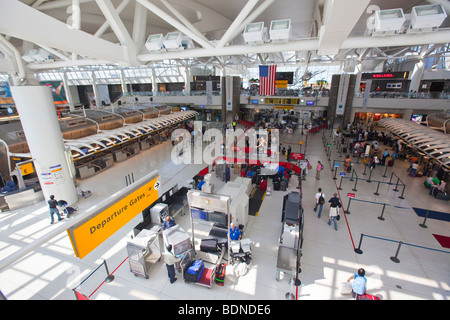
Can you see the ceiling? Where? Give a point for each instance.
(104, 32)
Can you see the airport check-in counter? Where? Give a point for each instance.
(175, 198)
(95, 166)
(126, 152)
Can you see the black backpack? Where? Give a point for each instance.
(321, 199)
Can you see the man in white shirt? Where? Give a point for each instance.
(318, 204)
(170, 259)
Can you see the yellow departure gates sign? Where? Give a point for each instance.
(90, 234)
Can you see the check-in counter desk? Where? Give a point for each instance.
(174, 198)
(94, 167)
(149, 142)
(23, 198)
(126, 152)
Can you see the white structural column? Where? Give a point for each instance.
(416, 76)
(123, 82)
(187, 80)
(44, 138)
(68, 92)
(95, 89)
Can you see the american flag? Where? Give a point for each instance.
(267, 80)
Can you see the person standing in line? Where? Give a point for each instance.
(318, 169)
(52, 203)
(414, 167)
(359, 285)
(347, 163)
(170, 259)
(335, 204)
(320, 200)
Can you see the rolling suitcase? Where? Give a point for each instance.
(209, 245)
(263, 184)
(367, 297)
(194, 272)
(276, 185)
(283, 186)
(220, 274)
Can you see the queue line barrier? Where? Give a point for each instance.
(400, 243)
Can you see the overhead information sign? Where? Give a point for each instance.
(89, 234)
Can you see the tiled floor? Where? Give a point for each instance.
(51, 270)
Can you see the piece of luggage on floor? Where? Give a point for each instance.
(390, 163)
(209, 245)
(69, 210)
(283, 186)
(194, 272)
(220, 274)
(368, 297)
(276, 185)
(263, 184)
(344, 150)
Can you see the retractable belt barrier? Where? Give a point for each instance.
(395, 257)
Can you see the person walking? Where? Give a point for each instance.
(335, 204)
(318, 169)
(170, 259)
(52, 204)
(359, 285)
(320, 200)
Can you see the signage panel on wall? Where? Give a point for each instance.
(89, 234)
(342, 94)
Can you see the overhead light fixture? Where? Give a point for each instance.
(280, 30)
(255, 33)
(427, 18)
(155, 42)
(173, 40)
(388, 22)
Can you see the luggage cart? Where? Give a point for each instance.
(211, 262)
(144, 251)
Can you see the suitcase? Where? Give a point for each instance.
(283, 186)
(209, 245)
(391, 163)
(243, 173)
(276, 185)
(220, 274)
(263, 184)
(344, 150)
(367, 297)
(194, 272)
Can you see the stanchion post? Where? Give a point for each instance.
(340, 184)
(404, 186)
(423, 225)
(335, 173)
(358, 250)
(356, 182)
(370, 176)
(385, 170)
(395, 259)
(110, 277)
(365, 167)
(348, 206)
(396, 185)
(382, 212)
(376, 192)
